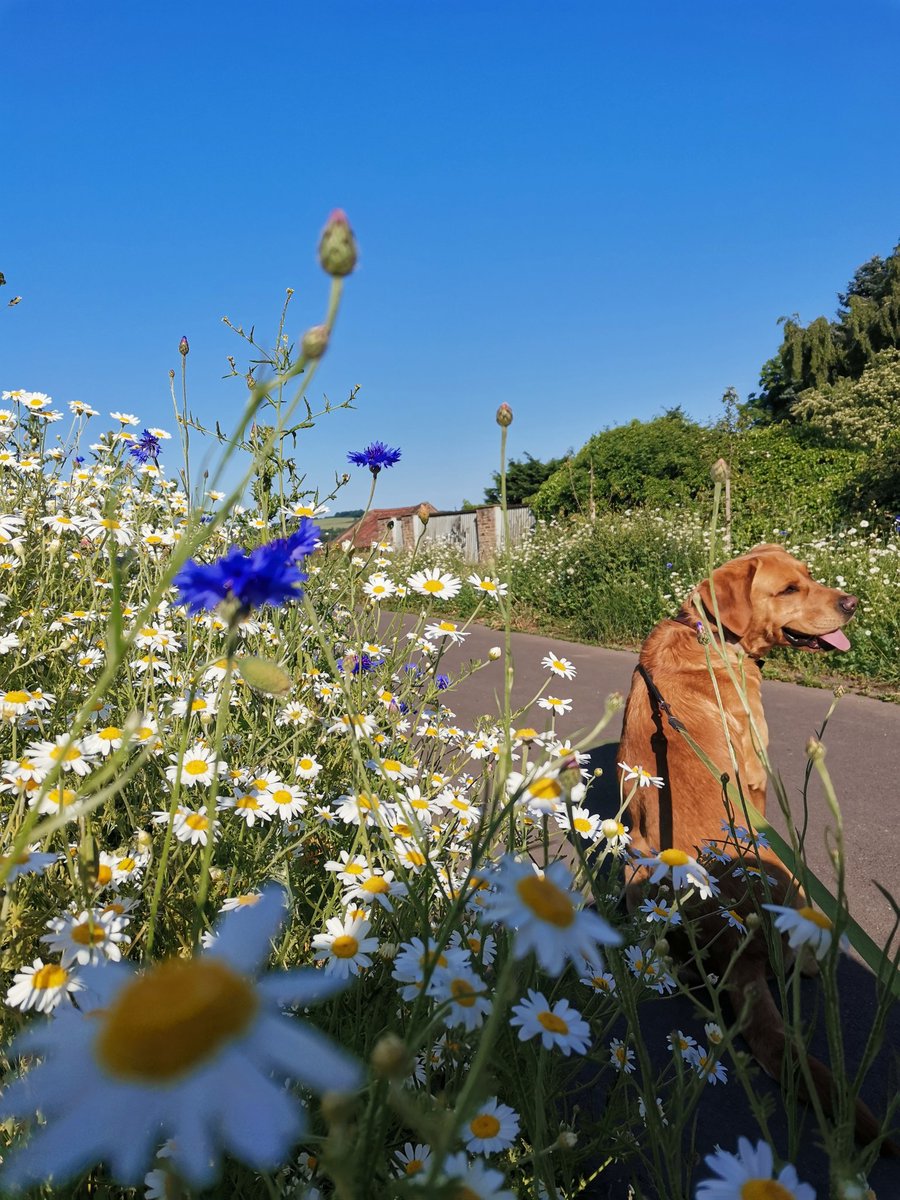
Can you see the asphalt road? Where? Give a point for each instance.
(863, 758)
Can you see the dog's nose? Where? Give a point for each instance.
(848, 604)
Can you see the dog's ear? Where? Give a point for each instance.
(732, 583)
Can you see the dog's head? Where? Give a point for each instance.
(768, 598)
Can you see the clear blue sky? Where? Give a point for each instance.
(591, 211)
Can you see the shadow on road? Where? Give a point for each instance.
(724, 1112)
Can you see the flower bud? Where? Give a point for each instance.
(720, 471)
(754, 920)
(504, 415)
(494, 653)
(423, 512)
(171, 373)
(390, 1057)
(567, 1139)
(661, 947)
(337, 247)
(815, 751)
(183, 347)
(315, 341)
(338, 1107)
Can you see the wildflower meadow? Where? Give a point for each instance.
(274, 923)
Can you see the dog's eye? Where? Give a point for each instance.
(791, 587)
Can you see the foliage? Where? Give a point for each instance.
(823, 352)
(859, 413)
(523, 478)
(645, 462)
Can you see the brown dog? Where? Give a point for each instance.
(764, 599)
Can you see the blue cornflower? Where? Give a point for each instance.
(79, 459)
(442, 682)
(146, 447)
(270, 574)
(375, 456)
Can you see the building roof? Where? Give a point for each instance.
(368, 530)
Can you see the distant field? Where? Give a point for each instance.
(333, 527)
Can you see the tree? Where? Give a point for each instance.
(523, 478)
(856, 413)
(822, 353)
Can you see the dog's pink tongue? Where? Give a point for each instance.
(838, 640)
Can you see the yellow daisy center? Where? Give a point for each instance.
(196, 821)
(552, 1022)
(173, 1017)
(765, 1189)
(415, 857)
(344, 946)
(71, 754)
(377, 885)
(51, 976)
(463, 992)
(433, 586)
(485, 1126)
(674, 858)
(110, 733)
(196, 766)
(546, 901)
(126, 864)
(545, 789)
(87, 935)
(16, 698)
(104, 874)
(282, 796)
(414, 1166)
(392, 764)
(305, 764)
(817, 918)
(582, 825)
(526, 734)
(247, 802)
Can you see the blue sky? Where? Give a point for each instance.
(591, 211)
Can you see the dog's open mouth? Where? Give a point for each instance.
(836, 640)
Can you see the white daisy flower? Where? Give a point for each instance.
(492, 1128)
(184, 1049)
(376, 885)
(659, 910)
(193, 827)
(307, 767)
(707, 1067)
(198, 767)
(87, 937)
(582, 821)
(685, 871)
(643, 778)
(413, 1159)
(27, 862)
(379, 587)
(446, 629)
(345, 947)
(750, 1172)
(621, 1056)
(682, 1044)
(559, 1025)
(434, 582)
(805, 927)
(416, 962)
(546, 915)
(40, 987)
(616, 835)
(248, 805)
(555, 704)
(558, 665)
(542, 790)
(492, 587)
(348, 870)
(66, 751)
(286, 801)
(463, 992)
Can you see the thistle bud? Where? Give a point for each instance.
(720, 471)
(183, 348)
(815, 751)
(390, 1058)
(423, 512)
(337, 247)
(315, 341)
(504, 415)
